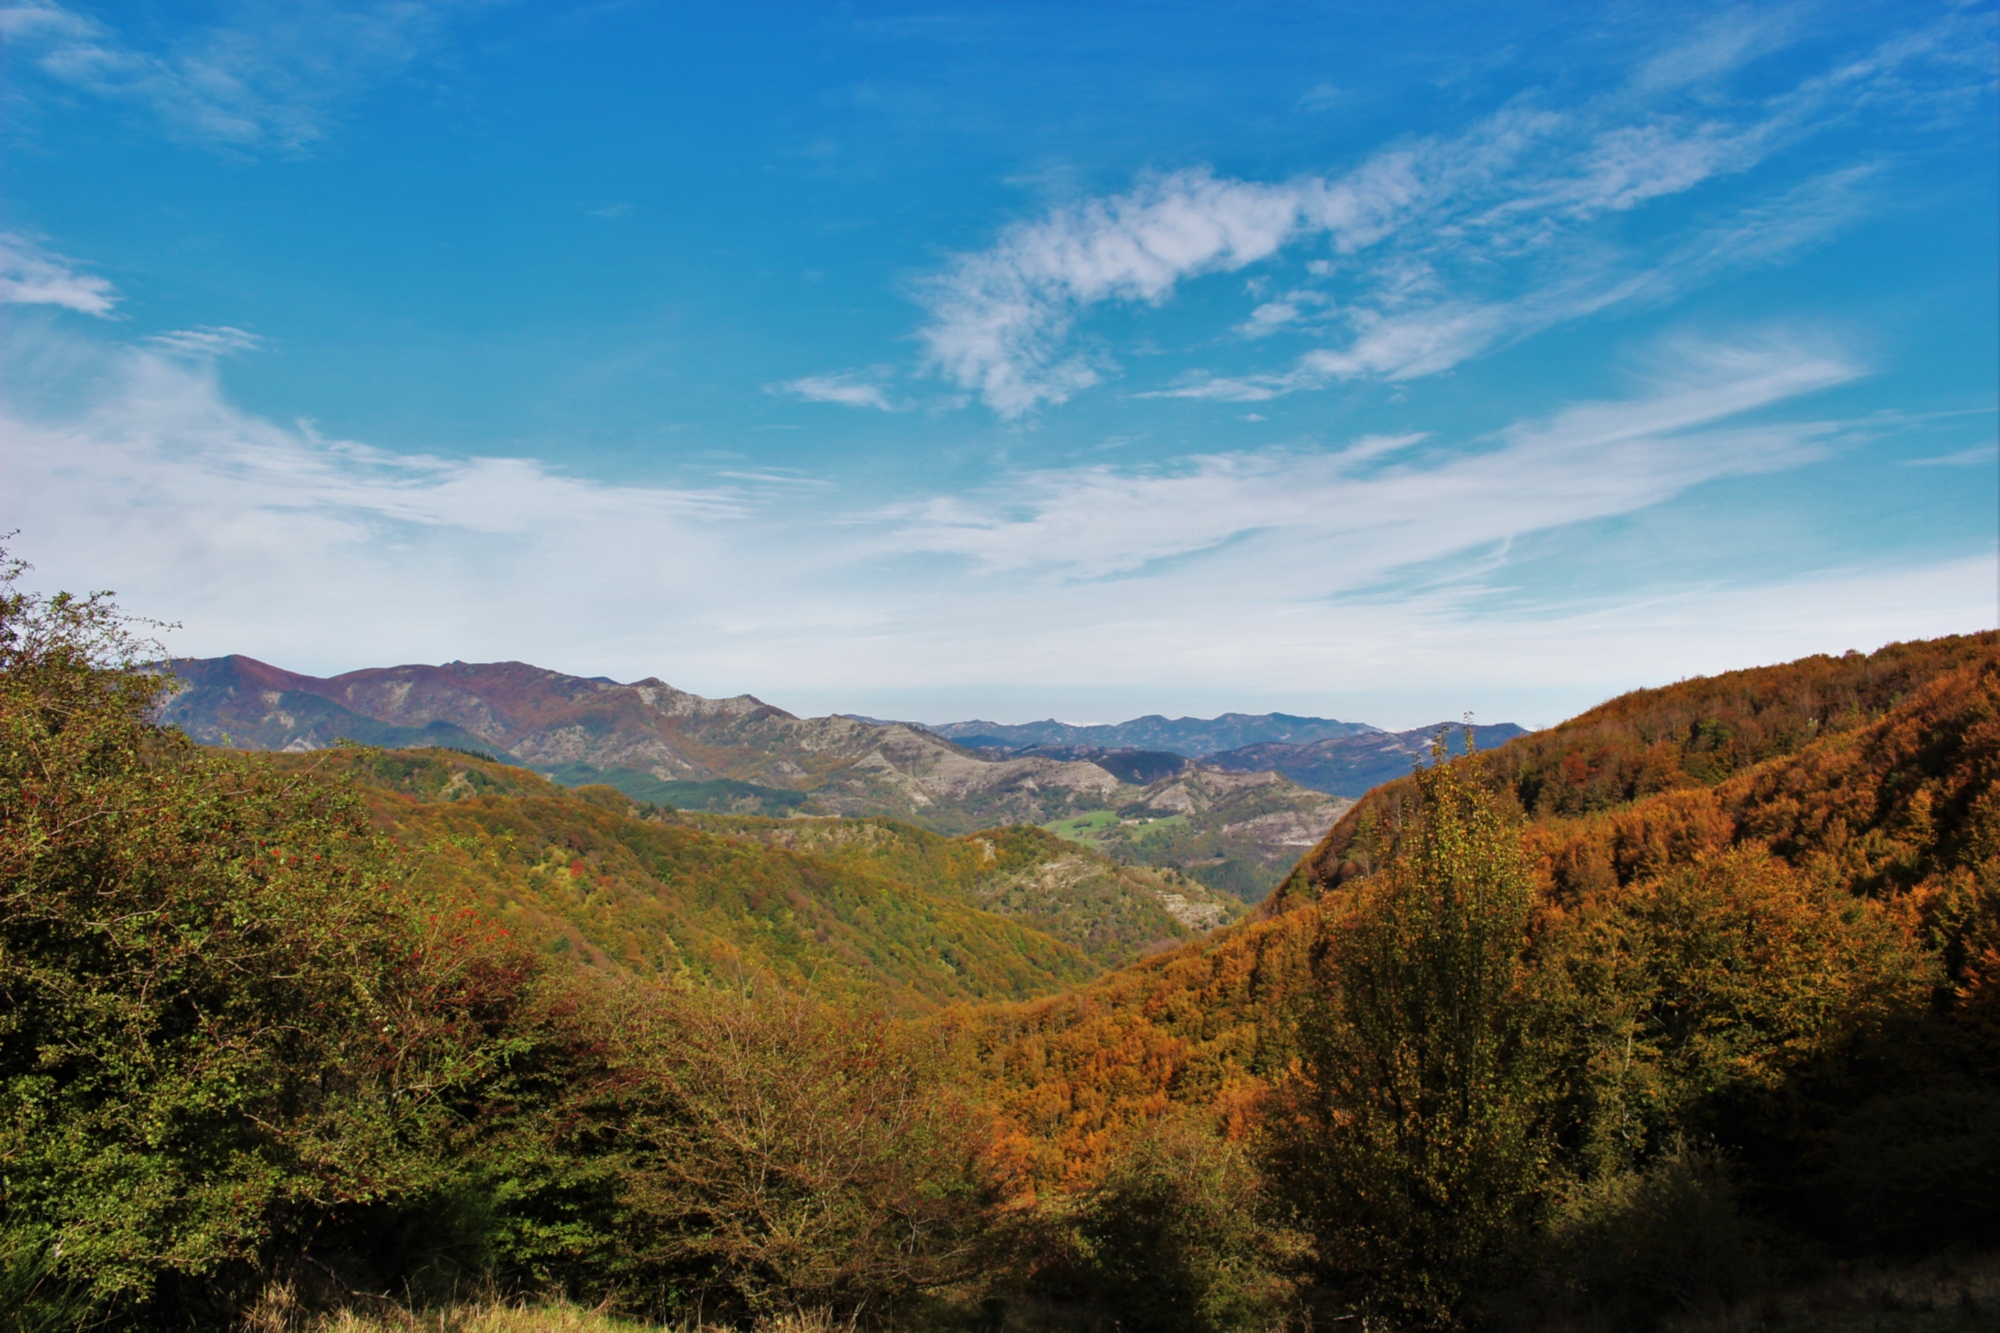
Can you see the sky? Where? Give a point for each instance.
(1385, 362)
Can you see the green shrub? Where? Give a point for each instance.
(1635, 1247)
(226, 1032)
(776, 1154)
(1177, 1238)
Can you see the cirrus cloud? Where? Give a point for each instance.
(1441, 248)
(32, 275)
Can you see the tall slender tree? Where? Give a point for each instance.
(1412, 1137)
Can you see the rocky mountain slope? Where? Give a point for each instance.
(547, 721)
(657, 743)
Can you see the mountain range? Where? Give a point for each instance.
(1233, 829)
(1352, 765)
(1189, 737)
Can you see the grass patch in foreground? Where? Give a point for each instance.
(493, 1316)
(1947, 1294)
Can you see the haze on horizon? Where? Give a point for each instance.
(1363, 361)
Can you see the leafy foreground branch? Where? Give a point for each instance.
(256, 1071)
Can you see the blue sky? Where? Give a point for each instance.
(1380, 361)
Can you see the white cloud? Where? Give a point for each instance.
(1721, 46)
(28, 22)
(1319, 97)
(273, 79)
(847, 390)
(1236, 578)
(1980, 455)
(31, 275)
(1349, 518)
(1426, 338)
(301, 547)
(206, 340)
(1284, 313)
(1443, 248)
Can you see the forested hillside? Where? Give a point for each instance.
(1764, 926)
(873, 910)
(1655, 1016)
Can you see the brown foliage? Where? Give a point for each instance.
(1695, 734)
(1746, 903)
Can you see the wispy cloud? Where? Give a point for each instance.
(1439, 249)
(153, 482)
(273, 78)
(1252, 576)
(1978, 456)
(206, 341)
(32, 275)
(1409, 339)
(1319, 97)
(852, 389)
(1350, 516)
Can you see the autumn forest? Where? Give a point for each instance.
(1683, 1014)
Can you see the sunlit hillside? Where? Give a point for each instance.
(1859, 794)
(1692, 1000)
(870, 910)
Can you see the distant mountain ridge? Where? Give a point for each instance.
(551, 721)
(1351, 765)
(741, 755)
(1339, 758)
(1190, 737)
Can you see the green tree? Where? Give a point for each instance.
(226, 1031)
(1412, 1140)
(777, 1154)
(1177, 1237)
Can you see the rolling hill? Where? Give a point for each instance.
(869, 908)
(1236, 832)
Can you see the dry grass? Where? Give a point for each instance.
(279, 1313)
(1944, 1295)
(485, 1317)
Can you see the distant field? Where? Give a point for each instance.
(1143, 829)
(1095, 826)
(1083, 828)
(1174, 843)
